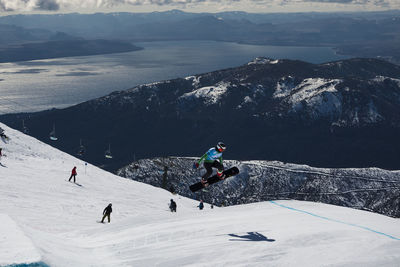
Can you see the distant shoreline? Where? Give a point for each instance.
(67, 48)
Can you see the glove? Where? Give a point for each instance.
(195, 165)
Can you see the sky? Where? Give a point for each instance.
(8, 7)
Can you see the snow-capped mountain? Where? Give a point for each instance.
(47, 221)
(338, 114)
(370, 189)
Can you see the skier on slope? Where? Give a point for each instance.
(212, 159)
(73, 174)
(107, 213)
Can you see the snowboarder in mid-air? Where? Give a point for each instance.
(212, 159)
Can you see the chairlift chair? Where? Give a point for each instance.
(53, 136)
(24, 128)
(81, 149)
(107, 154)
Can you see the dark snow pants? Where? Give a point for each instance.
(72, 175)
(106, 215)
(210, 165)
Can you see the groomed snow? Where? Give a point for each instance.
(59, 218)
(15, 247)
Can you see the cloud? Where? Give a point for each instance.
(55, 5)
(48, 5)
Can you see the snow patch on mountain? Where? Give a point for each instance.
(195, 80)
(339, 64)
(246, 100)
(316, 94)
(373, 115)
(284, 87)
(261, 60)
(383, 78)
(209, 94)
(312, 87)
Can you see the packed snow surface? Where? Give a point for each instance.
(15, 247)
(45, 217)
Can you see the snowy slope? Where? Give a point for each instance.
(59, 219)
(15, 247)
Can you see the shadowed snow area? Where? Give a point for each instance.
(46, 218)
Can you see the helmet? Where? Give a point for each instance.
(221, 146)
(110, 204)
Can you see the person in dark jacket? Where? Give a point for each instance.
(172, 206)
(73, 174)
(107, 212)
(201, 205)
(2, 134)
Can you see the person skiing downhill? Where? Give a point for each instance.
(73, 174)
(212, 159)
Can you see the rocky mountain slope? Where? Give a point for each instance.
(338, 114)
(370, 189)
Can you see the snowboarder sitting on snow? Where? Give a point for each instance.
(107, 212)
(212, 159)
(73, 174)
(172, 206)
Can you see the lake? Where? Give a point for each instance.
(43, 84)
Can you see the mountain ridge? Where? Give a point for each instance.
(371, 189)
(340, 114)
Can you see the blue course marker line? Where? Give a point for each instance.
(334, 220)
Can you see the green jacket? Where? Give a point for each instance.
(210, 156)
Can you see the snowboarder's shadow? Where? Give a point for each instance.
(251, 236)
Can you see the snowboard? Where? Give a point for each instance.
(214, 179)
(74, 183)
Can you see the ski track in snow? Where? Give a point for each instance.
(56, 222)
(333, 220)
